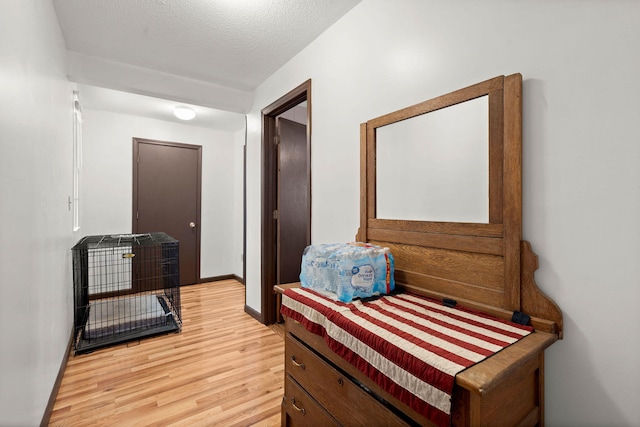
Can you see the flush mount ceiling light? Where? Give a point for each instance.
(184, 113)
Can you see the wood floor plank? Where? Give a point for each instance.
(224, 368)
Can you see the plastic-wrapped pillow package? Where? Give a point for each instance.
(349, 270)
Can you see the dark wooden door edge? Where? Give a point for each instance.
(269, 187)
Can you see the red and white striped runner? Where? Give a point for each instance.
(411, 346)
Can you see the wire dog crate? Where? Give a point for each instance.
(125, 287)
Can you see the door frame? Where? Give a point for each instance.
(134, 223)
(269, 242)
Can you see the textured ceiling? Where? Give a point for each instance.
(206, 52)
(98, 98)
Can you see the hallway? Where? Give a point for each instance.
(223, 369)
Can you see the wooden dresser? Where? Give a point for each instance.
(483, 266)
(318, 390)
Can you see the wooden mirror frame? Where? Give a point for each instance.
(483, 266)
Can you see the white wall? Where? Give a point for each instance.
(107, 181)
(36, 314)
(238, 204)
(297, 114)
(580, 65)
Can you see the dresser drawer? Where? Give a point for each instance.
(300, 408)
(343, 399)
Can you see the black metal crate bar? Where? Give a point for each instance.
(126, 287)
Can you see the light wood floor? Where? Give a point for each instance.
(223, 369)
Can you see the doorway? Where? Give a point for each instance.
(166, 197)
(286, 194)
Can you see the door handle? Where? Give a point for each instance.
(192, 224)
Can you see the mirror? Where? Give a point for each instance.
(441, 186)
(435, 166)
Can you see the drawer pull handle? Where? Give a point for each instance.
(340, 382)
(299, 365)
(297, 408)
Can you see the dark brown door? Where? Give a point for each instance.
(270, 193)
(293, 203)
(166, 197)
